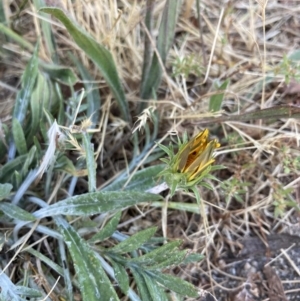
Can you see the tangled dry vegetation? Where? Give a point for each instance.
(249, 233)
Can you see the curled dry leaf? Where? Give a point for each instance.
(276, 291)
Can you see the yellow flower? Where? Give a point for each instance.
(195, 156)
(191, 164)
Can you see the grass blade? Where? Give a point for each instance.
(15, 37)
(90, 161)
(276, 112)
(92, 92)
(23, 97)
(99, 55)
(152, 79)
(215, 102)
(19, 137)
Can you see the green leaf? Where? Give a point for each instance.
(166, 149)
(54, 266)
(93, 281)
(15, 37)
(295, 55)
(30, 159)
(121, 276)
(141, 284)
(99, 55)
(3, 19)
(28, 82)
(16, 212)
(5, 190)
(141, 181)
(92, 91)
(135, 241)
(8, 289)
(96, 202)
(175, 284)
(7, 170)
(16, 179)
(39, 99)
(158, 255)
(28, 292)
(47, 34)
(276, 112)
(19, 137)
(216, 100)
(156, 291)
(61, 74)
(188, 207)
(194, 257)
(65, 164)
(23, 97)
(152, 77)
(148, 47)
(108, 229)
(90, 161)
(169, 259)
(167, 28)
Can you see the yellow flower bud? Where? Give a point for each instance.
(196, 155)
(190, 165)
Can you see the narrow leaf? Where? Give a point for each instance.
(54, 266)
(141, 181)
(135, 241)
(5, 190)
(7, 170)
(19, 137)
(99, 54)
(108, 229)
(92, 91)
(47, 34)
(16, 212)
(28, 292)
(39, 99)
(11, 34)
(30, 159)
(63, 163)
(216, 100)
(23, 96)
(121, 276)
(157, 255)
(61, 74)
(194, 257)
(175, 284)
(96, 202)
(148, 48)
(276, 112)
(151, 80)
(90, 161)
(169, 259)
(141, 284)
(156, 291)
(188, 207)
(93, 281)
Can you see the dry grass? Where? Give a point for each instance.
(245, 42)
